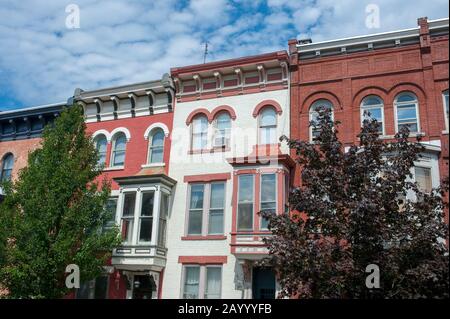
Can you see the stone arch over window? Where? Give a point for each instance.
(321, 95)
(222, 109)
(196, 113)
(124, 130)
(406, 110)
(102, 132)
(265, 104)
(7, 165)
(160, 125)
(372, 107)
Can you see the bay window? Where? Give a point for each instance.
(129, 201)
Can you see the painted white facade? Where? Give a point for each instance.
(183, 164)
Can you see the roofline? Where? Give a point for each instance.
(370, 38)
(277, 55)
(43, 108)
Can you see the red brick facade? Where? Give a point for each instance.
(345, 79)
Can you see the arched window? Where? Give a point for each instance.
(314, 114)
(101, 144)
(445, 99)
(119, 147)
(156, 146)
(268, 126)
(406, 106)
(199, 132)
(222, 130)
(7, 166)
(372, 107)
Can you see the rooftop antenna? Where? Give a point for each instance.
(206, 52)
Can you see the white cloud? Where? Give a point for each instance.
(120, 41)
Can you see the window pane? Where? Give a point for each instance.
(191, 282)
(128, 204)
(86, 290)
(423, 178)
(162, 219)
(157, 154)
(268, 187)
(406, 112)
(200, 124)
(217, 195)
(223, 121)
(245, 217)
(121, 143)
(111, 207)
(119, 150)
(372, 100)
(147, 204)
(145, 233)
(127, 230)
(246, 188)
(406, 97)
(213, 282)
(101, 144)
(195, 222)
(268, 117)
(197, 191)
(158, 138)
(215, 225)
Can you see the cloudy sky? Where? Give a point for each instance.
(126, 41)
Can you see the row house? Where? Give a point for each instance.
(131, 127)
(195, 156)
(229, 164)
(20, 134)
(400, 77)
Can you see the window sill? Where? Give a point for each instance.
(444, 132)
(153, 165)
(208, 237)
(115, 168)
(212, 150)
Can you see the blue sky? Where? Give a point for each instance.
(123, 41)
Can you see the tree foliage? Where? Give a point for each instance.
(53, 214)
(357, 207)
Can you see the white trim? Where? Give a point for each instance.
(446, 119)
(123, 130)
(156, 125)
(104, 132)
(153, 165)
(416, 103)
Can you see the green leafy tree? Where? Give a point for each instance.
(352, 210)
(53, 214)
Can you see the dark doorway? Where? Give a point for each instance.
(144, 286)
(263, 283)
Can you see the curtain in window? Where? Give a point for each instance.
(213, 282)
(191, 282)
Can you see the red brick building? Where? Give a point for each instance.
(402, 77)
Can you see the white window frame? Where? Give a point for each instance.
(260, 128)
(113, 149)
(445, 105)
(218, 133)
(199, 134)
(96, 140)
(202, 279)
(3, 169)
(416, 103)
(364, 109)
(151, 147)
(312, 111)
(253, 203)
(205, 212)
(151, 217)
